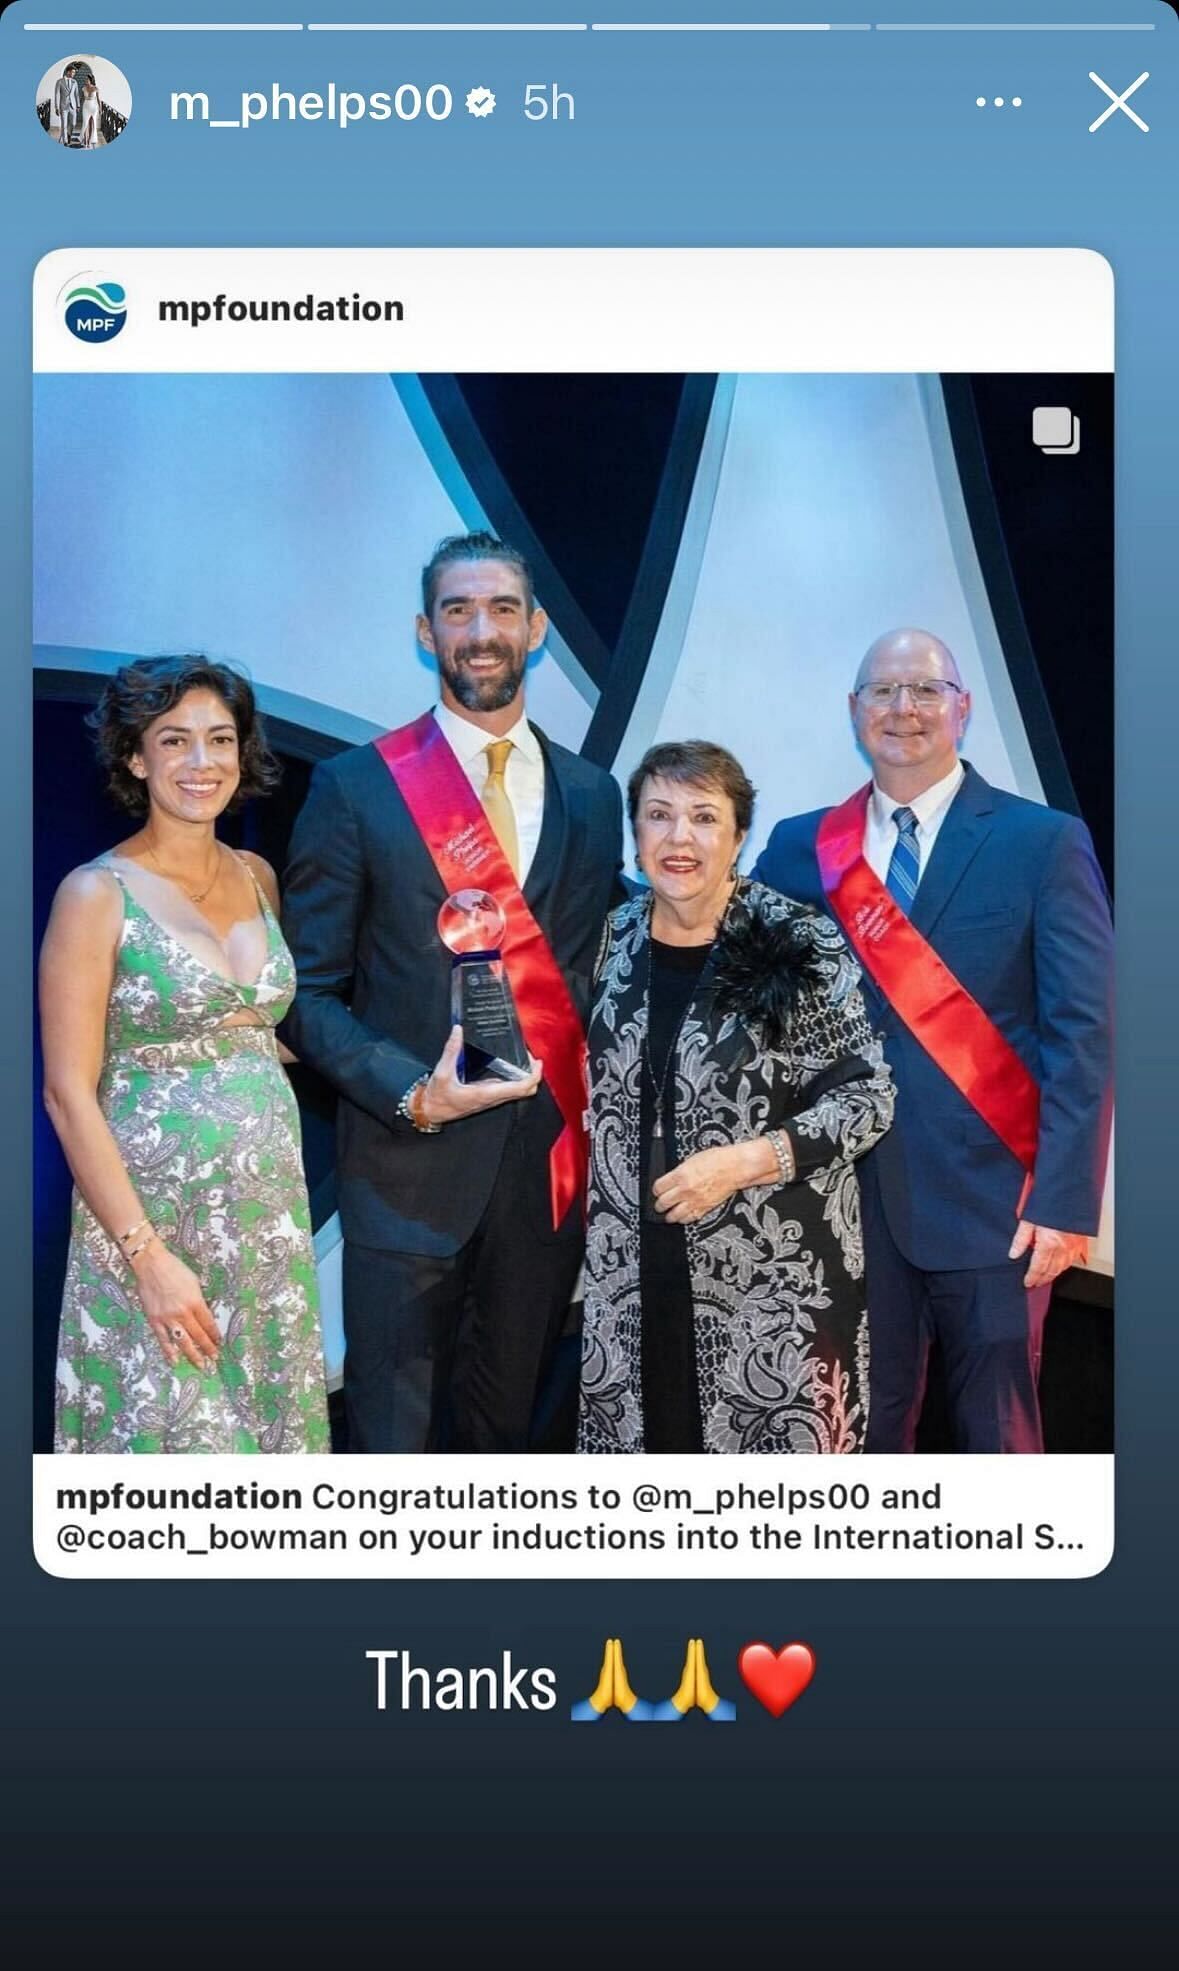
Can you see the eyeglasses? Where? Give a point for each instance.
(926, 693)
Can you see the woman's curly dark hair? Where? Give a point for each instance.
(141, 692)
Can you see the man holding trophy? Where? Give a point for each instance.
(444, 901)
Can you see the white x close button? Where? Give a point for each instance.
(1118, 102)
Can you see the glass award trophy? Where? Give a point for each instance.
(471, 926)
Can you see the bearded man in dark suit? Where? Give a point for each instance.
(461, 1201)
(983, 926)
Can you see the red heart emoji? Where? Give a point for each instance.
(778, 1679)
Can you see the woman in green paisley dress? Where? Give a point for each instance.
(190, 1318)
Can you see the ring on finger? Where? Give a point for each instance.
(177, 1332)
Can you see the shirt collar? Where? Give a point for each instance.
(467, 740)
(925, 806)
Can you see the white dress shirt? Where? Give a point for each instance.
(523, 774)
(930, 808)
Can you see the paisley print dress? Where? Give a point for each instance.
(776, 1271)
(208, 1128)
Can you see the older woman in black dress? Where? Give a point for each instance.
(734, 1080)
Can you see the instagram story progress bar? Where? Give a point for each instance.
(588, 27)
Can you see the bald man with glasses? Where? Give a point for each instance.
(983, 927)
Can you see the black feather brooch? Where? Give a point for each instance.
(762, 969)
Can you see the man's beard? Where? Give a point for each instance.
(488, 694)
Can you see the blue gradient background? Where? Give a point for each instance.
(987, 1760)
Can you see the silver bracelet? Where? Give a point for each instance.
(405, 1108)
(783, 1149)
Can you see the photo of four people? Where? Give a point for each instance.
(781, 1131)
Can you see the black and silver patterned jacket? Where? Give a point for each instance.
(776, 1036)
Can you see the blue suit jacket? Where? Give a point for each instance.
(1013, 900)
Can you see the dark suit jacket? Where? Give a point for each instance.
(372, 1010)
(1013, 900)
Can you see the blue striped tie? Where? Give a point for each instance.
(905, 867)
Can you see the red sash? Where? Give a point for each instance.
(938, 1011)
(466, 853)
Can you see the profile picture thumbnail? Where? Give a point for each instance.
(84, 102)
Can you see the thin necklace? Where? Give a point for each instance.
(659, 1082)
(657, 1163)
(194, 896)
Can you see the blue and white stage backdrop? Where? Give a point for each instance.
(280, 522)
(746, 537)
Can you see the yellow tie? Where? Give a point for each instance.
(497, 806)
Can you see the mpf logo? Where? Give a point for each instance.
(95, 310)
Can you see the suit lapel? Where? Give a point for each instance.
(959, 839)
(552, 830)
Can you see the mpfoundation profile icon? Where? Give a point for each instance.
(94, 308)
(83, 102)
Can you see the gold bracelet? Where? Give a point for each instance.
(124, 1236)
(141, 1247)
